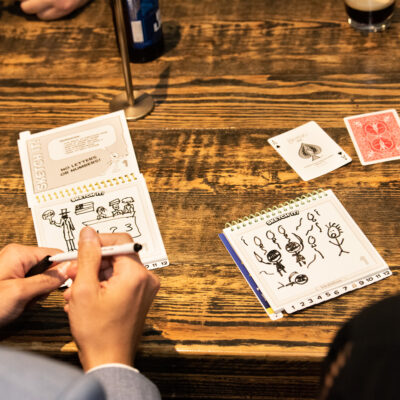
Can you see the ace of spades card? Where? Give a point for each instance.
(309, 150)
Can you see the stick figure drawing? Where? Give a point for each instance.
(334, 232)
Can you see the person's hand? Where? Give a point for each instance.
(51, 9)
(16, 291)
(108, 300)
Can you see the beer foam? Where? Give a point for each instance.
(369, 5)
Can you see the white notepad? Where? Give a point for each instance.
(303, 252)
(86, 174)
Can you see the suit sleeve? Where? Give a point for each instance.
(122, 383)
(29, 376)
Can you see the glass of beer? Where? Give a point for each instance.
(370, 15)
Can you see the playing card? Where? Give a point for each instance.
(309, 151)
(376, 136)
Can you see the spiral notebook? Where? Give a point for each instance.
(86, 174)
(302, 252)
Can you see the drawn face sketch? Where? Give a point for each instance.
(334, 230)
(274, 256)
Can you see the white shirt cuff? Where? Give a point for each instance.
(113, 365)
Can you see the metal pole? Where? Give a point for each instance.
(136, 104)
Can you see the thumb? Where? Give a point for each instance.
(41, 284)
(89, 257)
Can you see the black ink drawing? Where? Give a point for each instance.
(315, 257)
(316, 212)
(258, 242)
(242, 239)
(312, 227)
(299, 279)
(299, 225)
(312, 242)
(309, 150)
(264, 272)
(271, 236)
(260, 259)
(84, 208)
(116, 219)
(311, 217)
(66, 225)
(274, 258)
(115, 207)
(101, 212)
(295, 249)
(282, 231)
(334, 232)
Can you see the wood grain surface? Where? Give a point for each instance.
(234, 73)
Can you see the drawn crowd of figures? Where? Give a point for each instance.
(120, 211)
(275, 243)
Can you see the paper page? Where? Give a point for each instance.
(303, 250)
(94, 148)
(119, 208)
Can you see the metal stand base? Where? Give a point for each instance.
(142, 106)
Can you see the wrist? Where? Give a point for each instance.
(101, 356)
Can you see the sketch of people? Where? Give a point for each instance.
(334, 232)
(129, 208)
(115, 207)
(299, 279)
(294, 248)
(274, 257)
(101, 212)
(67, 227)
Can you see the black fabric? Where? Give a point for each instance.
(372, 370)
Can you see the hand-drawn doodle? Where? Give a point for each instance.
(115, 207)
(84, 208)
(264, 272)
(282, 231)
(299, 279)
(312, 242)
(315, 257)
(271, 236)
(334, 232)
(118, 218)
(309, 150)
(274, 257)
(101, 212)
(311, 217)
(312, 227)
(295, 249)
(66, 225)
(128, 205)
(299, 225)
(258, 242)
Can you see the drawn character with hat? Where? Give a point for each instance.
(115, 207)
(129, 208)
(66, 225)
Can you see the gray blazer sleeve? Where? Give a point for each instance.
(122, 384)
(32, 377)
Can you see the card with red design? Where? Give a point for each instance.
(376, 136)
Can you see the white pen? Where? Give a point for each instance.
(127, 248)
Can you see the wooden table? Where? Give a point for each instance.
(234, 73)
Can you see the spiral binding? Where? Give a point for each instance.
(287, 206)
(85, 188)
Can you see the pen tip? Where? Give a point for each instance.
(137, 247)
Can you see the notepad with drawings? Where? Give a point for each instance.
(86, 174)
(302, 252)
